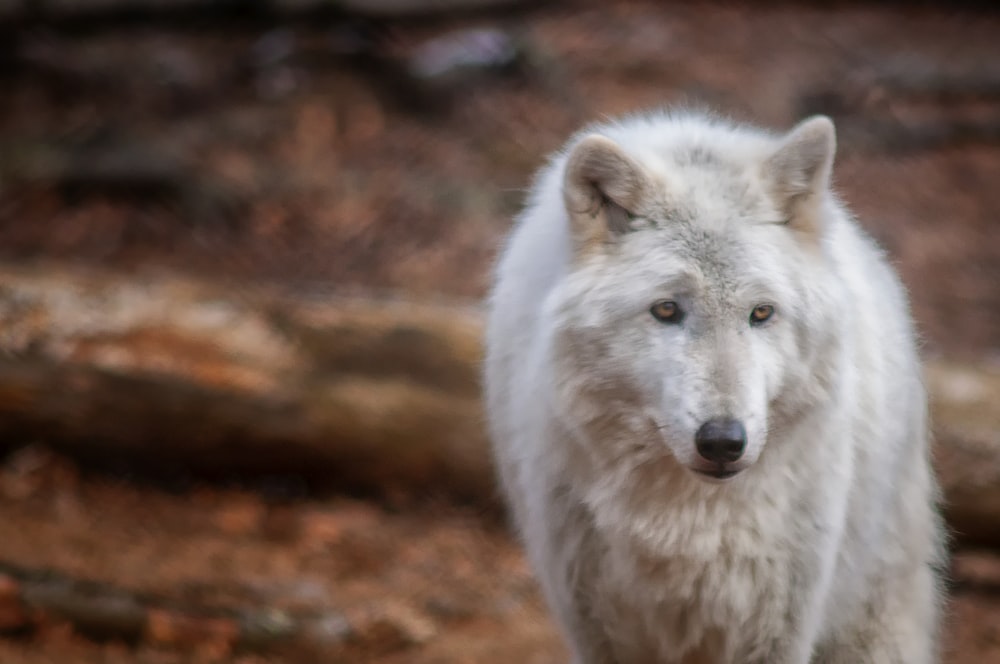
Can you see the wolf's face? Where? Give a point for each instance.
(687, 315)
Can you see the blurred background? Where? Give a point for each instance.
(243, 246)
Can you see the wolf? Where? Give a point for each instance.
(705, 400)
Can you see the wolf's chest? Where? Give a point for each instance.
(699, 578)
(694, 607)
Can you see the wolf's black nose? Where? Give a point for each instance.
(721, 440)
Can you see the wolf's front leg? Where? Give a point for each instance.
(586, 636)
(573, 607)
(567, 558)
(805, 595)
(789, 651)
(897, 626)
(793, 647)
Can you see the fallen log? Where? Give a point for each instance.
(357, 393)
(153, 371)
(965, 412)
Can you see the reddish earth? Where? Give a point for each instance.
(312, 170)
(420, 584)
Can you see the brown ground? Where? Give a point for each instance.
(314, 169)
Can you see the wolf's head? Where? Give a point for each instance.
(700, 294)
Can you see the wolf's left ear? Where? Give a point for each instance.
(798, 172)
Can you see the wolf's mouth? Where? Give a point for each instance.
(718, 474)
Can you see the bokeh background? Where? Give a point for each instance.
(242, 250)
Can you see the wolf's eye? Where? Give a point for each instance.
(666, 311)
(761, 313)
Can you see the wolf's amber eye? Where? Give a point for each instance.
(666, 311)
(761, 313)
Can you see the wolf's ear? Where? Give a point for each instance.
(798, 172)
(601, 187)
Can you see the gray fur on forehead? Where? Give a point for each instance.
(713, 254)
(700, 182)
(709, 201)
(699, 155)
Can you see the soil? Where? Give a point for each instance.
(256, 153)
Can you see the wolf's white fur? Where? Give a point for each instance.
(825, 547)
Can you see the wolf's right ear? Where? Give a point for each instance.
(602, 188)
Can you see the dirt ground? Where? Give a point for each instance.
(395, 584)
(315, 154)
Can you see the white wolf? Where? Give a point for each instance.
(707, 408)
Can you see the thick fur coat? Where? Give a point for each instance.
(670, 270)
